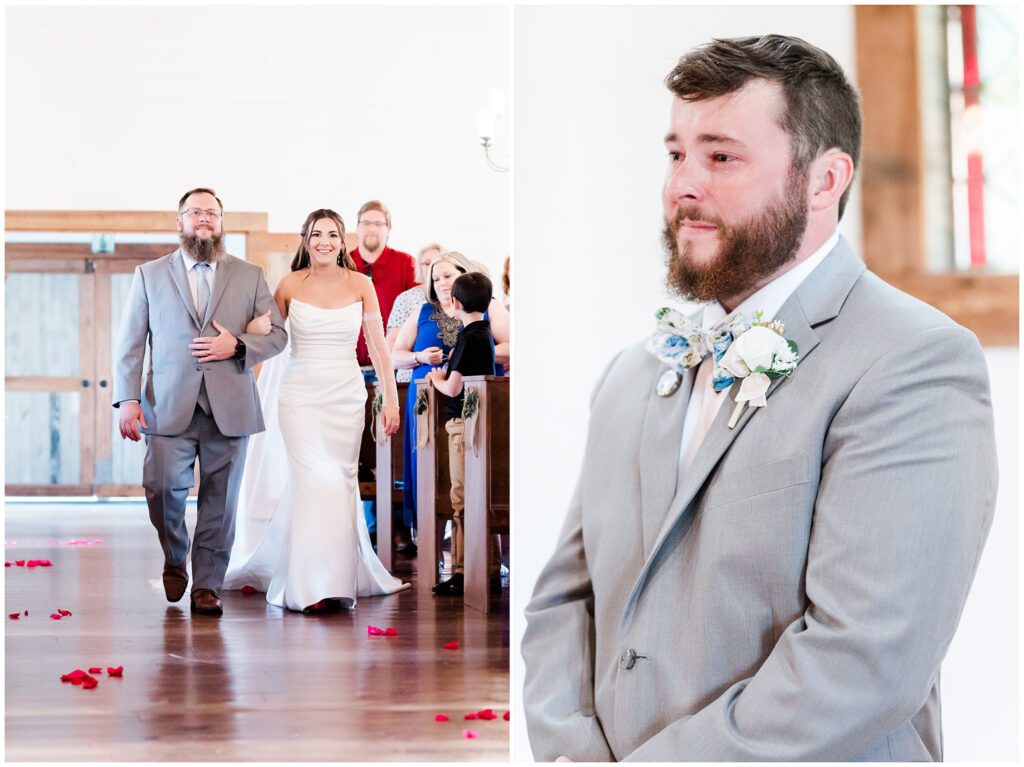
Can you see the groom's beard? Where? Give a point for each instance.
(203, 251)
(747, 252)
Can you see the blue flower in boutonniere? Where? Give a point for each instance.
(758, 355)
(679, 343)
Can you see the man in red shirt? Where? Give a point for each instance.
(392, 271)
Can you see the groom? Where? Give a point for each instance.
(776, 579)
(192, 307)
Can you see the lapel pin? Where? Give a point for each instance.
(668, 383)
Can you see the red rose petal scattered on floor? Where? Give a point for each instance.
(374, 631)
(75, 677)
(19, 562)
(26, 612)
(14, 616)
(56, 616)
(487, 714)
(89, 682)
(389, 632)
(7, 564)
(95, 669)
(44, 563)
(248, 591)
(469, 734)
(471, 715)
(440, 718)
(64, 612)
(119, 671)
(450, 645)
(505, 716)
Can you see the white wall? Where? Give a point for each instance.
(280, 109)
(591, 114)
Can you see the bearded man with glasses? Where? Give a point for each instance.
(208, 319)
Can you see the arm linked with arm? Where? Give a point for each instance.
(259, 347)
(899, 524)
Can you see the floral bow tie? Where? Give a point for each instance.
(760, 353)
(681, 344)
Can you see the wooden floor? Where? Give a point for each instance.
(257, 684)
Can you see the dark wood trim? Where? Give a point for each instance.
(891, 167)
(80, 250)
(46, 383)
(55, 490)
(988, 304)
(119, 221)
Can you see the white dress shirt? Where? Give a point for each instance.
(704, 400)
(193, 278)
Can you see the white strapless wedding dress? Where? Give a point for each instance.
(316, 545)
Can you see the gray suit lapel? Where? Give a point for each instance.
(225, 269)
(818, 299)
(176, 264)
(659, 454)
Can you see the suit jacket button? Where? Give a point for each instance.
(628, 659)
(199, 368)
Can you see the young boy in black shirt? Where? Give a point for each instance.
(473, 355)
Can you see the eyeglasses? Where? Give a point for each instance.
(197, 212)
(373, 223)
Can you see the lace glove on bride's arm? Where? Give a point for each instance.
(373, 330)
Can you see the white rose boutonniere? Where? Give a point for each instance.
(758, 355)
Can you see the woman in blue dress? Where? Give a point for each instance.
(424, 343)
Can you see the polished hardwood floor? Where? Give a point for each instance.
(258, 684)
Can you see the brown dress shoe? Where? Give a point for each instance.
(206, 602)
(175, 581)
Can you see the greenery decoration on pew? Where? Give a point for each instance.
(421, 402)
(470, 404)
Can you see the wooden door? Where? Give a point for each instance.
(63, 311)
(50, 372)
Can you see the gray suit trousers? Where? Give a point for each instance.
(167, 476)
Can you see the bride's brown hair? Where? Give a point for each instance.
(301, 260)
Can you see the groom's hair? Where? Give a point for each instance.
(199, 190)
(822, 109)
(473, 290)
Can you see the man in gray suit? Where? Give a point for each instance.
(193, 307)
(773, 570)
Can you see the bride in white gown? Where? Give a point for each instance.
(315, 554)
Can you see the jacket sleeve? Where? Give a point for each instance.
(261, 347)
(131, 343)
(558, 650)
(905, 501)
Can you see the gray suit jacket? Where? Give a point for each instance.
(160, 309)
(795, 599)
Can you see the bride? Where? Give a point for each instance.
(315, 554)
